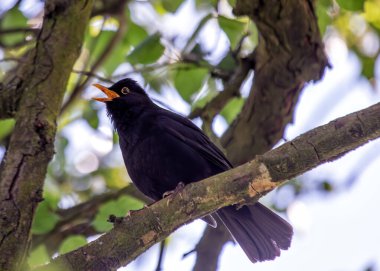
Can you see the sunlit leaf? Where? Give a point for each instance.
(368, 66)
(118, 207)
(101, 40)
(188, 80)
(232, 109)
(324, 19)
(148, 51)
(44, 220)
(372, 13)
(209, 94)
(6, 127)
(233, 28)
(232, 3)
(352, 5)
(171, 5)
(13, 19)
(116, 57)
(135, 34)
(206, 4)
(71, 243)
(38, 256)
(91, 116)
(228, 63)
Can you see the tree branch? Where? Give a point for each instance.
(231, 89)
(285, 60)
(116, 38)
(79, 217)
(207, 259)
(245, 184)
(31, 146)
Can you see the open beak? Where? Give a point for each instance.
(110, 94)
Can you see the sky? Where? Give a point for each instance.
(332, 232)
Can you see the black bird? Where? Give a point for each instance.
(162, 149)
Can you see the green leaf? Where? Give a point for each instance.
(44, 220)
(91, 116)
(38, 256)
(228, 63)
(232, 3)
(148, 51)
(71, 243)
(115, 58)
(324, 19)
(189, 80)
(233, 28)
(118, 207)
(206, 97)
(368, 66)
(13, 19)
(352, 5)
(102, 40)
(6, 127)
(232, 109)
(171, 5)
(135, 34)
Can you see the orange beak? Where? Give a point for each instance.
(110, 94)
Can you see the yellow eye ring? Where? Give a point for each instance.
(125, 90)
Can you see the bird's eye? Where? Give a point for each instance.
(125, 90)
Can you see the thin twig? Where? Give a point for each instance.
(161, 255)
(19, 29)
(103, 57)
(94, 75)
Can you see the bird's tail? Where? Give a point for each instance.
(260, 232)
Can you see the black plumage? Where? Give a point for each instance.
(161, 149)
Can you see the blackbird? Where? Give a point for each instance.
(162, 149)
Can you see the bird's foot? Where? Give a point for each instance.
(114, 219)
(174, 192)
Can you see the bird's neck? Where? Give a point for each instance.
(132, 124)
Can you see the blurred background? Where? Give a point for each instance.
(181, 51)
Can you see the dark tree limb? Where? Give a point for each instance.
(207, 258)
(245, 184)
(161, 255)
(78, 218)
(31, 146)
(289, 54)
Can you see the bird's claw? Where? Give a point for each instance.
(174, 192)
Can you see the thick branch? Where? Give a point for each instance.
(30, 149)
(289, 54)
(245, 184)
(207, 259)
(79, 217)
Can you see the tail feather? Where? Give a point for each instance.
(260, 232)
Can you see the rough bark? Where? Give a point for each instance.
(245, 184)
(289, 54)
(31, 145)
(207, 258)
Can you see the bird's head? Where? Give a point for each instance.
(123, 89)
(125, 100)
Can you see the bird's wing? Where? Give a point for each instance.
(186, 131)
